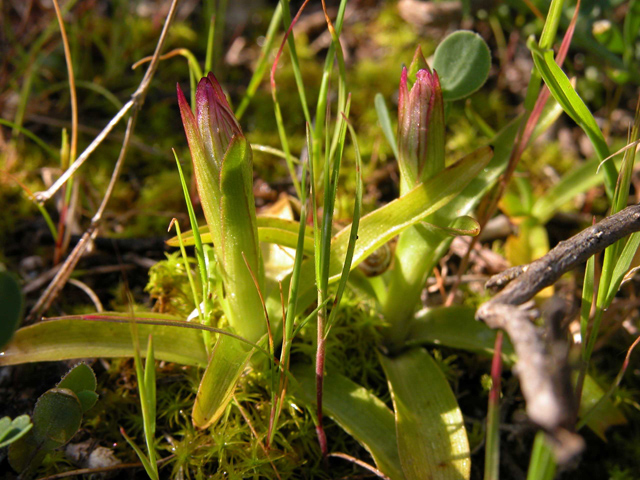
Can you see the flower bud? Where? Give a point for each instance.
(420, 128)
(222, 163)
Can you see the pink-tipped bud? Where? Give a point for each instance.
(216, 121)
(420, 127)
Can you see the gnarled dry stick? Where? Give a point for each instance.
(542, 379)
(136, 102)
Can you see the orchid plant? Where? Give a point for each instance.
(424, 435)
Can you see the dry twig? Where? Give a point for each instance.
(91, 233)
(543, 377)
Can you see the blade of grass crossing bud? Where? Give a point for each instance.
(195, 229)
(208, 59)
(205, 334)
(432, 439)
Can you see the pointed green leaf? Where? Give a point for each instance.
(358, 411)
(228, 360)
(562, 90)
(73, 338)
(432, 439)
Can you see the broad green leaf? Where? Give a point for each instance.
(562, 90)
(462, 61)
(456, 327)
(432, 439)
(270, 230)
(74, 338)
(464, 225)
(12, 306)
(357, 411)
(381, 225)
(12, 430)
(228, 360)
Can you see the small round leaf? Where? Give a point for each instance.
(462, 61)
(12, 430)
(57, 417)
(79, 378)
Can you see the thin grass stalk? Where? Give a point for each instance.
(606, 286)
(187, 267)
(492, 442)
(63, 236)
(261, 66)
(289, 316)
(324, 88)
(542, 465)
(279, 121)
(288, 26)
(208, 59)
